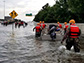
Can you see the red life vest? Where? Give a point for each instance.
(66, 26)
(43, 26)
(60, 26)
(37, 28)
(22, 23)
(73, 24)
(40, 25)
(16, 23)
(19, 22)
(74, 31)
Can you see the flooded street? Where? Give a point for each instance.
(22, 47)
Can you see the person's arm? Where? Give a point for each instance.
(64, 27)
(79, 32)
(34, 28)
(45, 25)
(52, 28)
(65, 36)
(40, 28)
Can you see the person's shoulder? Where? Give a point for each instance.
(79, 29)
(68, 28)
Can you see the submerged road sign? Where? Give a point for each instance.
(13, 14)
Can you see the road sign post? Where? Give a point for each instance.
(13, 14)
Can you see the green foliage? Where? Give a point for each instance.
(62, 11)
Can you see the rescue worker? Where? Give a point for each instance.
(22, 24)
(65, 27)
(19, 24)
(25, 24)
(40, 24)
(59, 25)
(72, 34)
(16, 23)
(43, 25)
(5, 23)
(51, 31)
(38, 30)
(44, 30)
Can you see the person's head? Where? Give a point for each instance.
(65, 23)
(58, 22)
(40, 21)
(72, 21)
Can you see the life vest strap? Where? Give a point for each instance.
(74, 33)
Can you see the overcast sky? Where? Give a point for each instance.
(23, 7)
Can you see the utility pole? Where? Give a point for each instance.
(4, 9)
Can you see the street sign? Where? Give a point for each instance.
(13, 14)
(29, 14)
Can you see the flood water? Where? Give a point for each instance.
(22, 47)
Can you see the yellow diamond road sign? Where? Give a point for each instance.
(13, 14)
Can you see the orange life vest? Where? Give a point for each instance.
(74, 31)
(40, 25)
(37, 28)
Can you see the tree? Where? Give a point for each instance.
(63, 10)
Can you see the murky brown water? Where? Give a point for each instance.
(22, 47)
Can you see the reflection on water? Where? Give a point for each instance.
(22, 47)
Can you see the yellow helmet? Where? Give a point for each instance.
(72, 21)
(57, 22)
(40, 21)
(65, 23)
